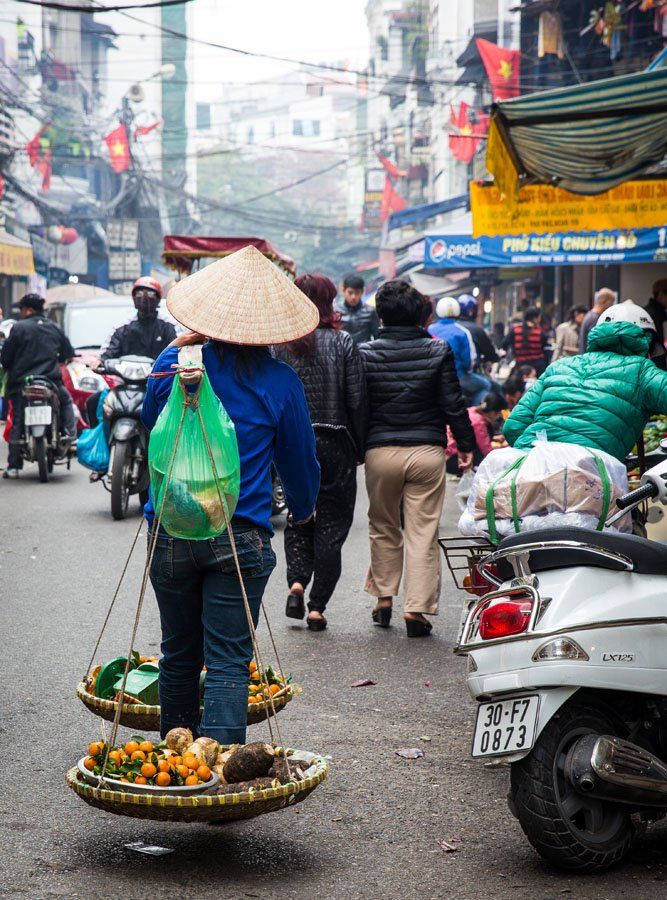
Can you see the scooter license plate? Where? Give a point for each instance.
(506, 726)
(37, 415)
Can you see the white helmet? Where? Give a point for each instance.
(448, 308)
(628, 312)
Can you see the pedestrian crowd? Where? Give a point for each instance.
(403, 387)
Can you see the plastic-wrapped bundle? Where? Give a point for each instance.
(553, 485)
(189, 501)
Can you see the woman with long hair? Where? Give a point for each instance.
(242, 304)
(329, 366)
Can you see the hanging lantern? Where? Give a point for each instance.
(59, 234)
(69, 235)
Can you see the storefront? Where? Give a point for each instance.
(556, 248)
(16, 268)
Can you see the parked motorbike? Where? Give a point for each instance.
(41, 440)
(566, 659)
(128, 439)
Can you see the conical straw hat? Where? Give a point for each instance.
(243, 299)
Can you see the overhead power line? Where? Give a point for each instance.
(91, 10)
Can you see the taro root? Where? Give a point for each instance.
(281, 770)
(178, 739)
(206, 749)
(219, 765)
(242, 787)
(252, 761)
(285, 771)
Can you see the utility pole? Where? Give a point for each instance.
(174, 134)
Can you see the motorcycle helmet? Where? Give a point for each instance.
(448, 308)
(628, 312)
(469, 306)
(146, 293)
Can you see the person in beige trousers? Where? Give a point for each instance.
(413, 395)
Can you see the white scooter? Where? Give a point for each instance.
(567, 658)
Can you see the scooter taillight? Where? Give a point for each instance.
(504, 618)
(476, 582)
(36, 392)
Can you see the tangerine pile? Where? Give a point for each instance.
(140, 762)
(258, 690)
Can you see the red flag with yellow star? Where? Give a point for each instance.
(466, 135)
(502, 66)
(119, 148)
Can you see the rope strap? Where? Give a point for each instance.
(606, 490)
(490, 508)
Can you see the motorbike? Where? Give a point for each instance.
(128, 439)
(41, 440)
(82, 382)
(565, 655)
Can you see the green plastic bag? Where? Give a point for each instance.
(188, 502)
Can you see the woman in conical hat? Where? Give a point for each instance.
(238, 307)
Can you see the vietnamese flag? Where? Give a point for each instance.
(502, 66)
(39, 155)
(34, 148)
(391, 201)
(142, 130)
(119, 148)
(391, 167)
(467, 136)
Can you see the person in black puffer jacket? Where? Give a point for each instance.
(413, 395)
(329, 366)
(357, 318)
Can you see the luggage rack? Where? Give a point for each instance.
(461, 554)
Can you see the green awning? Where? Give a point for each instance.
(586, 139)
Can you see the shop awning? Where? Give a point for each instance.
(587, 138)
(15, 256)
(426, 211)
(182, 250)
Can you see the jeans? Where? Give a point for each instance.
(314, 550)
(475, 387)
(204, 622)
(67, 423)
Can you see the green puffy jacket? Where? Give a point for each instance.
(601, 399)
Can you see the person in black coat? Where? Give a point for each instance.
(657, 310)
(413, 395)
(357, 318)
(146, 335)
(36, 346)
(329, 366)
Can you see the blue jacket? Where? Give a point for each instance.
(269, 410)
(460, 340)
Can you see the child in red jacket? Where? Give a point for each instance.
(483, 418)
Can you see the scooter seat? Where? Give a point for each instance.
(648, 557)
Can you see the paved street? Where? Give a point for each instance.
(371, 831)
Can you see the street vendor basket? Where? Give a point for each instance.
(140, 717)
(202, 807)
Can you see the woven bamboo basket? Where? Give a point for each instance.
(140, 717)
(225, 808)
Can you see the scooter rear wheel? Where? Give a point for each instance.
(569, 829)
(41, 455)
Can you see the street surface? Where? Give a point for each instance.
(371, 831)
